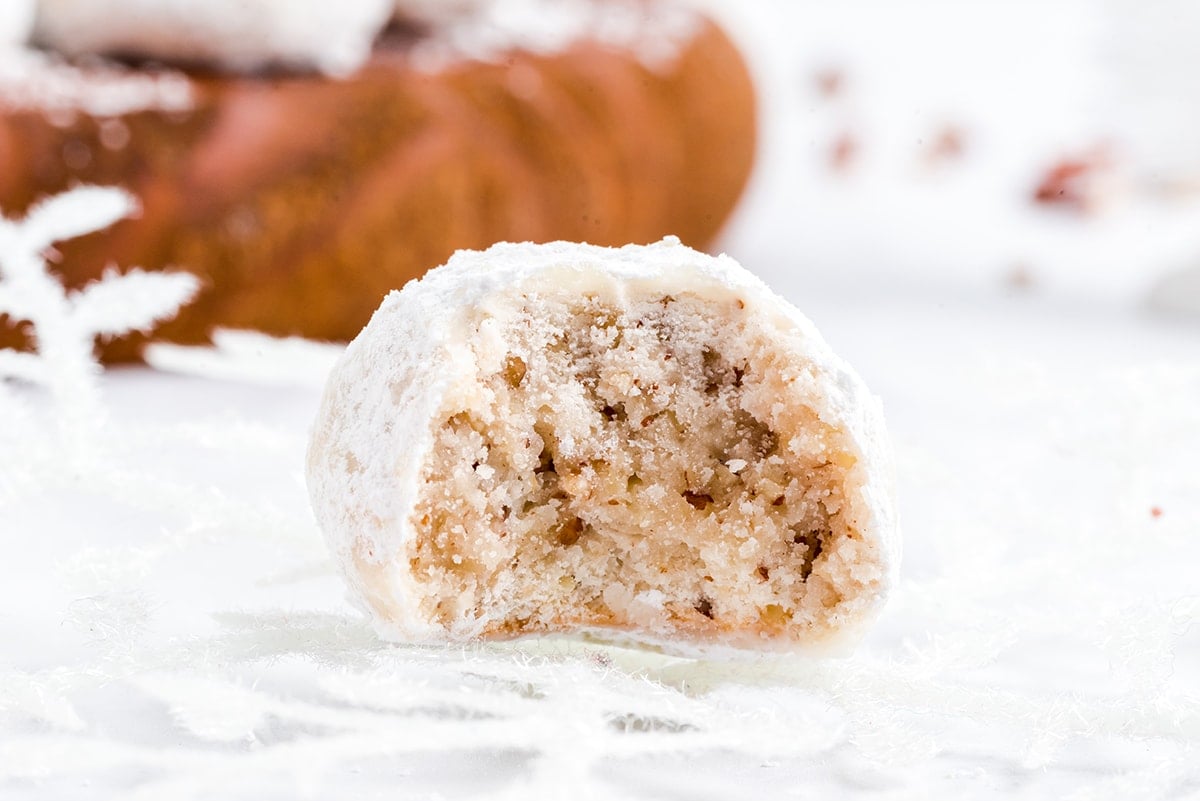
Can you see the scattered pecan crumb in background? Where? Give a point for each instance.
(950, 144)
(1074, 183)
(843, 152)
(1020, 277)
(829, 81)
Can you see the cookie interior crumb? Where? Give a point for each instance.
(619, 464)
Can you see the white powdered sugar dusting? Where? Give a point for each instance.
(654, 31)
(249, 356)
(34, 80)
(333, 37)
(337, 38)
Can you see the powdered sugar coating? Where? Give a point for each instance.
(30, 79)
(375, 429)
(334, 37)
(652, 30)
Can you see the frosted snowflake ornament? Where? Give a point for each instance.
(64, 324)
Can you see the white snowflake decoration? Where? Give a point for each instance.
(66, 324)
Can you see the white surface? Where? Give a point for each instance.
(652, 31)
(179, 627)
(170, 626)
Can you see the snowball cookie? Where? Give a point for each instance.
(234, 35)
(643, 443)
